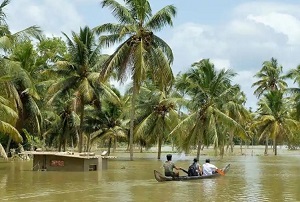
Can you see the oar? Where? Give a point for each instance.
(220, 171)
(184, 171)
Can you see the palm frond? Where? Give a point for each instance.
(121, 13)
(161, 18)
(6, 128)
(2, 152)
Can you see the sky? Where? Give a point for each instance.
(234, 34)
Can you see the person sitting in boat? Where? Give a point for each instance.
(195, 168)
(169, 166)
(208, 168)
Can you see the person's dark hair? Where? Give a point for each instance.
(169, 157)
(207, 161)
(195, 160)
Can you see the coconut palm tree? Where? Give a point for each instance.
(270, 78)
(140, 50)
(7, 122)
(8, 42)
(295, 91)
(156, 115)
(22, 59)
(107, 123)
(77, 74)
(208, 90)
(235, 109)
(61, 124)
(274, 119)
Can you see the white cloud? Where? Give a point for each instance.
(281, 23)
(220, 63)
(256, 32)
(52, 16)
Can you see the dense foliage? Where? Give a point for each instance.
(58, 93)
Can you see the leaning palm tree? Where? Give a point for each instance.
(140, 50)
(8, 41)
(274, 119)
(22, 61)
(208, 90)
(7, 122)
(77, 76)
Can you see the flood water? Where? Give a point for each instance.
(250, 178)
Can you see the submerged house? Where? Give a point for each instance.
(68, 161)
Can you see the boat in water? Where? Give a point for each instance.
(161, 178)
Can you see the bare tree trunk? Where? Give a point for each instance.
(132, 115)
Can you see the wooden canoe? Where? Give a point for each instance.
(161, 178)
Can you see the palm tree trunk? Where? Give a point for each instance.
(241, 147)
(231, 142)
(80, 143)
(141, 149)
(132, 115)
(115, 144)
(109, 146)
(159, 147)
(199, 149)
(275, 146)
(8, 144)
(252, 146)
(266, 145)
(64, 145)
(2, 152)
(88, 143)
(59, 145)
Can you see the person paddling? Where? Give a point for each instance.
(169, 166)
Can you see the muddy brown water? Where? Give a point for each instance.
(251, 178)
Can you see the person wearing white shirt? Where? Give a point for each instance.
(208, 168)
